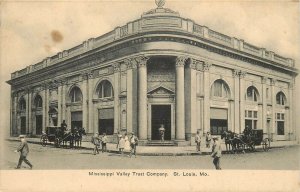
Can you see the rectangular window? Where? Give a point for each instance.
(251, 119)
(249, 114)
(255, 114)
(280, 127)
(278, 116)
(267, 93)
(282, 116)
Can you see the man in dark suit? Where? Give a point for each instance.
(63, 126)
(24, 150)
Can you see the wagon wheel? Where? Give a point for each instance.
(266, 144)
(57, 142)
(43, 140)
(251, 146)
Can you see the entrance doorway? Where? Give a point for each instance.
(218, 121)
(76, 120)
(23, 125)
(160, 114)
(106, 121)
(38, 124)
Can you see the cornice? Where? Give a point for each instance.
(94, 58)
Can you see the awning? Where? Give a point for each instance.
(216, 113)
(106, 113)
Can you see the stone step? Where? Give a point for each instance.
(159, 143)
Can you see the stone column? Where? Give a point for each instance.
(242, 101)
(206, 99)
(142, 97)
(90, 128)
(29, 113)
(15, 117)
(130, 65)
(231, 115)
(264, 105)
(47, 106)
(290, 103)
(273, 101)
(180, 110)
(190, 99)
(45, 112)
(59, 105)
(84, 101)
(236, 101)
(116, 98)
(63, 103)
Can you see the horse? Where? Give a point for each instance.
(78, 136)
(227, 136)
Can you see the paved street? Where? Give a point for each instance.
(56, 158)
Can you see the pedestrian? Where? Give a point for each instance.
(122, 145)
(198, 141)
(216, 153)
(127, 143)
(119, 136)
(24, 150)
(162, 133)
(208, 139)
(96, 141)
(63, 126)
(133, 143)
(104, 141)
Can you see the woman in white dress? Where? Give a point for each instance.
(127, 143)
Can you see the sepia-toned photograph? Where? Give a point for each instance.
(150, 91)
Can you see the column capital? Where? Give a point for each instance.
(180, 61)
(84, 76)
(196, 64)
(116, 67)
(130, 63)
(206, 66)
(273, 82)
(243, 74)
(141, 61)
(236, 73)
(264, 80)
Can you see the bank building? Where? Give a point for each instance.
(158, 70)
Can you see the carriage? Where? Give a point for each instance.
(50, 136)
(248, 140)
(60, 137)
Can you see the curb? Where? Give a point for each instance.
(155, 154)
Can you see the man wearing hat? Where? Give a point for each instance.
(133, 143)
(216, 152)
(24, 150)
(96, 142)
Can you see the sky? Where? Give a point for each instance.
(27, 29)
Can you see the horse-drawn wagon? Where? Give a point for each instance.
(58, 136)
(248, 140)
(50, 136)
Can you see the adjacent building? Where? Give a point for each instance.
(160, 69)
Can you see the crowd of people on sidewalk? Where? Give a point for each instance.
(124, 143)
(128, 144)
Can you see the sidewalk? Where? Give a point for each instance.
(161, 150)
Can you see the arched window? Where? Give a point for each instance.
(105, 89)
(75, 95)
(252, 94)
(220, 89)
(280, 98)
(22, 104)
(38, 102)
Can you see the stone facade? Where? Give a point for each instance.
(159, 69)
